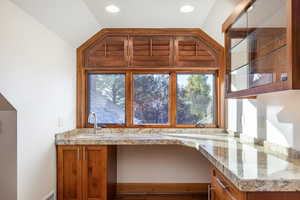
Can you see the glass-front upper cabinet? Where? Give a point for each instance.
(238, 55)
(257, 47)
(267, 23)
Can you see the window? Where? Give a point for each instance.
(195, 98)
(168, 99)
(151, 99)
(107, 97)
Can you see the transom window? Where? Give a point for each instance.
(140, 99)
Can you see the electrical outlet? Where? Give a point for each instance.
(60, 123)
(50, 196)
(1, 127)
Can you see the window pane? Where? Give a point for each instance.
(107, 97)
(195, 98)
(151, 97)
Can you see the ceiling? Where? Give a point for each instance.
(77, 20)
(150, 13)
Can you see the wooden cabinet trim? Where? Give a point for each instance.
(239, 9)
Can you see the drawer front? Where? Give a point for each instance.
(223, 188)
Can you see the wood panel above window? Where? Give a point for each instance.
(118, 68)
(151, 51)
(110, 51)
(192, 52)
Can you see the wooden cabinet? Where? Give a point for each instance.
(86, 172)
(262, 45)
(222, 189)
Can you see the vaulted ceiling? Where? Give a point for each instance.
(77, 20)
(150, 13)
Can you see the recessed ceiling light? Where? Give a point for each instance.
(112, 9)
(187, 9)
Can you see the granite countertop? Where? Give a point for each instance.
(250, 167)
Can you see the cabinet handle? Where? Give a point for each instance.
(84, 153)
(78, 154)
(225, 187)
(209, 192)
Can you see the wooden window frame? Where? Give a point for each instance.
(213, 47)
(129, 86)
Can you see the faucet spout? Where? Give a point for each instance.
(93, 117)
(200, 125)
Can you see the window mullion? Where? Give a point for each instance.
(128, 99)
(172, 97)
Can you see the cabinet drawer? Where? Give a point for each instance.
(222, 187)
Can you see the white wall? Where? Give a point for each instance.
(37, 75)
(70, 19)
(274, 117)
(216, 17)
(161, 164)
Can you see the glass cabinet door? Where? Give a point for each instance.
(257, 46)
(238, 54)
(267, 39)
(239, 79)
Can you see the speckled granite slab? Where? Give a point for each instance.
(249, 167)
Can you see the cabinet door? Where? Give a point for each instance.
(94, 173)
(69, 172)
(215, 195)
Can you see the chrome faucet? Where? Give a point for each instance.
(93, 116)
(199, 124)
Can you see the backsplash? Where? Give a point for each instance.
(274, 118)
